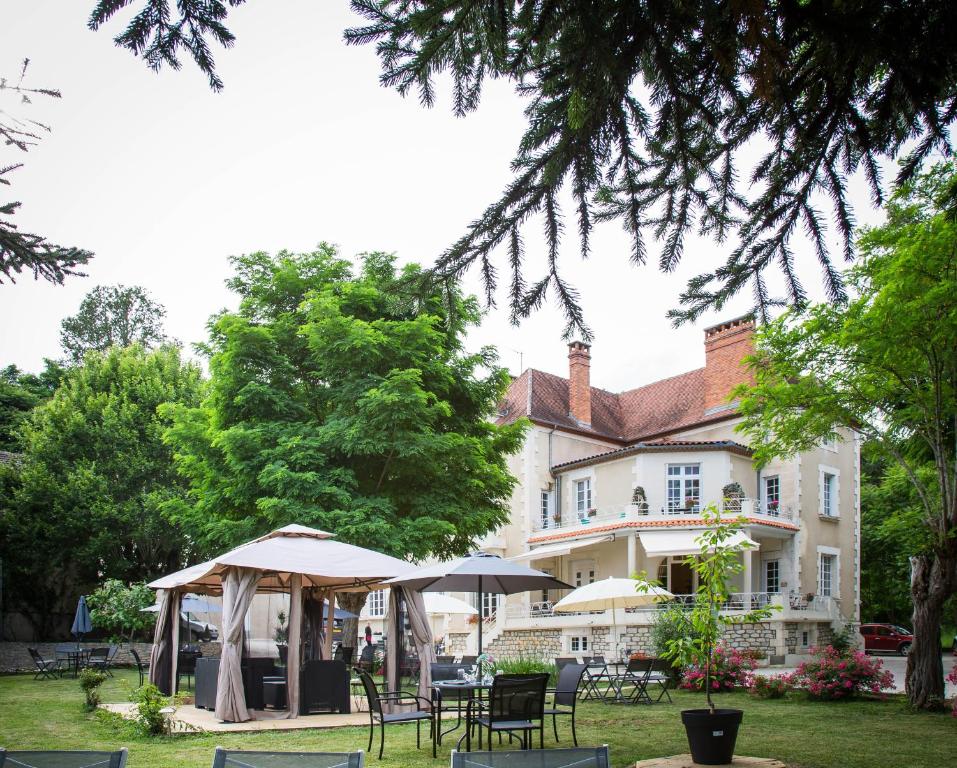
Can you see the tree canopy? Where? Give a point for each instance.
(645, 113)
(20, 393)
(886, 364)
(343, 398)
(113, 315)
(87, 498)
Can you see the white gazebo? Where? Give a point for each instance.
(309, 564)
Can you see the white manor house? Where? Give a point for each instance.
(612, 484)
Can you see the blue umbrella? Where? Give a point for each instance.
(82, 624)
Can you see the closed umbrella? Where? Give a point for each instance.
(611, 594)
(82, 623)
(481, 573)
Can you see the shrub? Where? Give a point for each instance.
(526, 665)
(150, 701)
(90, 682)
(770, 687)
(729, 669)
(844, 641)
(831, 676)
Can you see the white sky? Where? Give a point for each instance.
(163, 180)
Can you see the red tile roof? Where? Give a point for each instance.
(653, 410)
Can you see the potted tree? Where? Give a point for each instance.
(281, 636)
(711, 732)
(639, 500)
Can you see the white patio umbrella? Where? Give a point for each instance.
(439, 604)
(612, 594)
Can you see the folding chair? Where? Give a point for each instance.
(660, 674)
(46, 669)
(578, 757)
(62, 759)
(234, 758)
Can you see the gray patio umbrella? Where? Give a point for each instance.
(82, 623)
(481, 573)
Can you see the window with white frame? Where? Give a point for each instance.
(663, 573)
(829, 494)
(546, 509)
(376, 603)
(583, 496)
(772, 576)
(684, 487)
(490, 604)
(772, 495)
(829, 443)
(826, 574)
(583, 573)
(578, 643)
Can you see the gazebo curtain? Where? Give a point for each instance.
(239, 587)
(314, 616)
(165, 646)
(409, 604)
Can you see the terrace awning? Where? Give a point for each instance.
(556, 550)
(660, 543)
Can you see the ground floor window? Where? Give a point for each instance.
(578, 643)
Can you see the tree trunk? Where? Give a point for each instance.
(932, 582)
(353, 602)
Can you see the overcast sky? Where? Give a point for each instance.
(163, 180)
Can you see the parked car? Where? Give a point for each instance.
(199, 630)
(886, 638)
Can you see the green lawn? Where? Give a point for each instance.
(870, 734)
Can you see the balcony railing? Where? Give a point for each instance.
(636, 512)
(738, 602)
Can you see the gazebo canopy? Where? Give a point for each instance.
(295, 549)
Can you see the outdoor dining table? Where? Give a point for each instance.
(441, 687)
(76, 658)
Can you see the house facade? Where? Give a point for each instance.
(613, 484)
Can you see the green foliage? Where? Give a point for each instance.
(90, 682)
(88, 499)
(19, 394)
(885, 363)
(770, 687)
(717, 562)
(118, 609)
(672, 624)
(342, 398)
(113, 316)
(149, 703)
(649, 114)
(281, 635)
(527, 665)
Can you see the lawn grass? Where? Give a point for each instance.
(803, 734)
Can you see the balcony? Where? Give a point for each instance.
(626, 513)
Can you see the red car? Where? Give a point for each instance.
(887, 638)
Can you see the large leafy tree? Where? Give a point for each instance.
(648, 113)
(887, 365)
(343, 398)
(86, 499)
(113, 316)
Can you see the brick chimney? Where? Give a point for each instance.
(725, 347)
(579, 382)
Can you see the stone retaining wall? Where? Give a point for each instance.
(14, 657)
(527, 643)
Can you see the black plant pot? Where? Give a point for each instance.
(283, 653)
(711, 735)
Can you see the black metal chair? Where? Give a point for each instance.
(635, 675)
(445, 659)
(186, 664)
(234, 758)
(143, 669)
(596, 672)
(62, 759)
(516, 706)
(660, 675)
(102, 659)
(46, 669)
(565, 697)
(468, 660)
(579, 757)
(561, 661)
(378, 714)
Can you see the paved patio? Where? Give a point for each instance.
(188, 718)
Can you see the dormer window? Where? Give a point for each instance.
(583, 496)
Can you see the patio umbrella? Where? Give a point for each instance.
(612, 594)
(480, 573)
(439, 604)
(82, 623)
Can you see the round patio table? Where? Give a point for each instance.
(443, 687)
(77, 658)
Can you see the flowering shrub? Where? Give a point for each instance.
(770, 687)
(952, 678)
(729, 669)
(830, 675)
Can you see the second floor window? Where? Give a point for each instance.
(583, 496)
(684, 487)
(829, 495)
(546, 515)
(376, 603)
(772, 495)
(772, 576)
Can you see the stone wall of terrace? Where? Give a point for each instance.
(14, 656)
